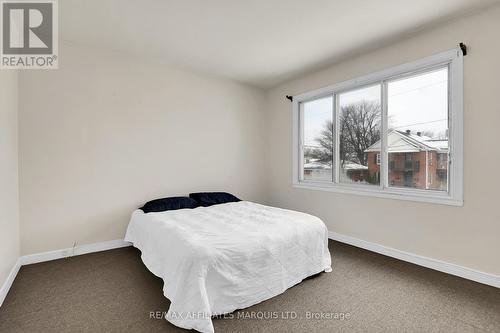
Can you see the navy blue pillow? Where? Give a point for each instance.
(172, 203)
(207, 199)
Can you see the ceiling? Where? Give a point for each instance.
(259, 42)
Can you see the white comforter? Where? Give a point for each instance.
(217, 259)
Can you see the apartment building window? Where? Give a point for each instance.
(376, 135)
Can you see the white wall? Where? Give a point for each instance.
(106, 132)
(9, 197)
(467, 236)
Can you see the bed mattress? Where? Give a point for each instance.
(214, 260)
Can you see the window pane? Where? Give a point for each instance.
(318, 139)
(418, 131)
(359, 126)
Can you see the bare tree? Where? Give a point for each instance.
(359, 129)
(325, 141)
(359, 125)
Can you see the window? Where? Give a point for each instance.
(359, 127)
(377, 135)
(318, 139)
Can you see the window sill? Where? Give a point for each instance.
(433, 197)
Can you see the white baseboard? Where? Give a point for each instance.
(57, 254)
(69, 252)
(466, 273)
(438, 265)
(8, 282)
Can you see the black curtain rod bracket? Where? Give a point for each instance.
(463, 47)
(289, 98)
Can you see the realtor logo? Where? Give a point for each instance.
(29, 34)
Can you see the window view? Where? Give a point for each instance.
(359, 128)
(417, 141)
(318, 139)
(386, 134)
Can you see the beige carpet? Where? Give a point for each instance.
(112, 291)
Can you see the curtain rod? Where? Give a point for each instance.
(462, 46)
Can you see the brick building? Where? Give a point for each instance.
(415, 161)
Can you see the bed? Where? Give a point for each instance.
(215, 260)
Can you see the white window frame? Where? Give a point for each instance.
(454, 196)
